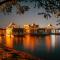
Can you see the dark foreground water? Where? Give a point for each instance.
(40, 46)
(47, 47)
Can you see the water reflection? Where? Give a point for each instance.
(2, 41)
(9, 41)
(18, 42)
(36, 44)
(41, 43)
(58, 41)
(29, 42)
(48, 42)
(53, 41)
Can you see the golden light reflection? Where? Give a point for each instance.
(32, 40)
(0, 39)
(48, 42)
(29, 42)
(9, 38)
(26, 41)
(9, 41)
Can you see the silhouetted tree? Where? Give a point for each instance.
(51, 6)
(6, 6)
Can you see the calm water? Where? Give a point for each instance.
(40, 46)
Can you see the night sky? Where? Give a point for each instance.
(28, 17)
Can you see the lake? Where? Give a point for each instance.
(40, 46)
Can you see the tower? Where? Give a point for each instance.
(9, 35)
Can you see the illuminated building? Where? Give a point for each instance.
(27, 28)
(18, 33)
(41, 30)
(32, 29)
(9, 35)
(12, 35)
(50, 29)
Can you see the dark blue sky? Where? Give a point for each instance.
(28, 17)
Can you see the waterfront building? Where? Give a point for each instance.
(53, 37)
(32, 29)
(9, 35)
(18, 34)
(58, 30)
(50, 29)
(18, 31)
(41, 30)
(13, 34)
(27, 29)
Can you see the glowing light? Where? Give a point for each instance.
(9, 41)
(0, 39)
(53, 40)
(29, 42)
(9, 38)
(9, 31)
(26, 41)
(27, 28)
(48, 42)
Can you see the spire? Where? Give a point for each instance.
(13, 25)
